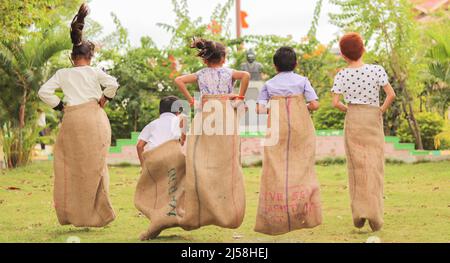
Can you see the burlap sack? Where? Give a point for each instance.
(81, 173)
(214, 180)
(160, 190)
(289, 197)
(364, 145)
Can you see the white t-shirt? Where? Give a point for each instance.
(161, 130)
(361, 85)
(79, 85)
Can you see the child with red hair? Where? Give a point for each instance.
(360, 85)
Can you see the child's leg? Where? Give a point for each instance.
(359, 222)
(151, 233)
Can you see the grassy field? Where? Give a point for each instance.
(417, 209)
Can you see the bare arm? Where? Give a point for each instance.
(182, 81)
(244, 77)
(390, 97)
(338, 104)
(140, 149)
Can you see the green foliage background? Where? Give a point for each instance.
(430, 123)
(34, 43)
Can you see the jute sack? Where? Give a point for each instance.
(214, 180)
(289, 197)
(364, 145)
(81, 173)
(160, 189)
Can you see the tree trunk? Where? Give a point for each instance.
(414, 126)
(421, 104)
(22, 116)
(22, 110)
(18, 155)
(396, 111)
(409, 112)
(135, 121)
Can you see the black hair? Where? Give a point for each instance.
(285, 59)
(81, 48)
(168, 104)
(211, 51)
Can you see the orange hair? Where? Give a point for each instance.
(352, 46)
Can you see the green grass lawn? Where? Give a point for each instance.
(417, 209)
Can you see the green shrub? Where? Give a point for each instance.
(394, 161)
(431, 124)
(328, 118)
(442, 140)
(124, 165)
(331, 161)
(258, 163)
(18, 143)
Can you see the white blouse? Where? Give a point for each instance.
(79, 85)
(361, 85)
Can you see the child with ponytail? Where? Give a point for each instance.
(213, 185)
(81, 174)
(214, 79)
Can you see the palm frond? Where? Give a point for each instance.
(6, 62)
(17, 52)
(49, 48)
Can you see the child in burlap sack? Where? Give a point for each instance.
(160, 188)
(360, 85)
(289, 197)
(81, 188)
(214, 79)
(169, 126)
(214, 189)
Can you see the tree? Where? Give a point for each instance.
(23, 68)
(389, 30)
(431, 124)
(437, 82)
(33, 34)
(141, 78)
(146, 72)
(17, 17)
(186, 27)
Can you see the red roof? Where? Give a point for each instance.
(429, 6)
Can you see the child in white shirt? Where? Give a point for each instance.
(80, 84)
(166, 128)
(81, 179)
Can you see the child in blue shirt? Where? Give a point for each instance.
(287, 82)
(289, 192)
